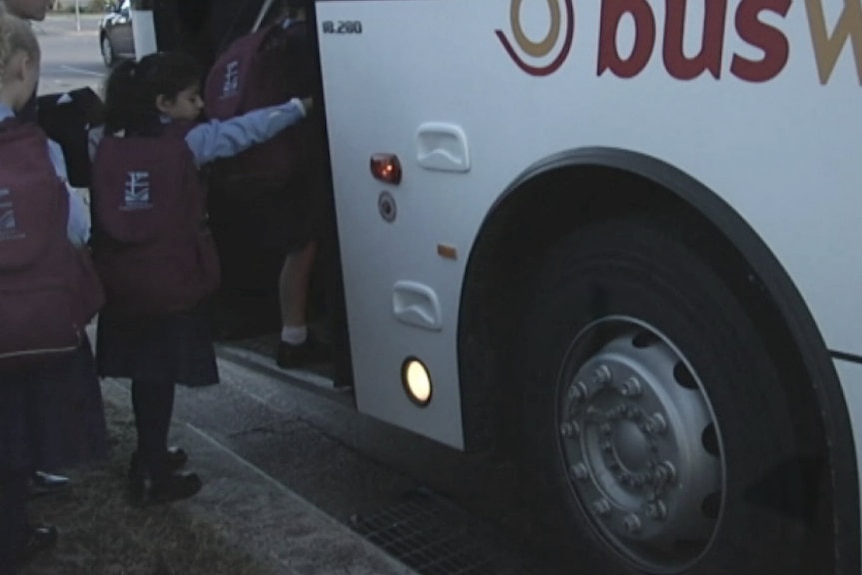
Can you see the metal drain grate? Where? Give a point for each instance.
(433, 537)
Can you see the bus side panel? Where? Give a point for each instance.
(766, 135)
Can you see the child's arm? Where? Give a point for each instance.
(78, 226)
(214, 140)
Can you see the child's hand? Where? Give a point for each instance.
(308, 104)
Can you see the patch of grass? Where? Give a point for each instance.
(101, 534)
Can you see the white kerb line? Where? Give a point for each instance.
(82, 71)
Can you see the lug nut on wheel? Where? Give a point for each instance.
(602, 375)
(659, 423)
(657, 511)
(602, 508)
(631, 387)
(578, 391)
(632, 523)
(580, 472)
(666, 472)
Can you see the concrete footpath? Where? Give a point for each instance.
(255, 512)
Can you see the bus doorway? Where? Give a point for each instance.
(256, 226)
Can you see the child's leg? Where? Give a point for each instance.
(153, 404)
(294, 284)
(296, 347)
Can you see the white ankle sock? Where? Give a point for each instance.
(294, 335)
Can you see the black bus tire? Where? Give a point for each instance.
(622, 299)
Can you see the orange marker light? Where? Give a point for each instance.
(448, 252)
(386, 168)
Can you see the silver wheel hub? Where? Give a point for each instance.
(641, 444)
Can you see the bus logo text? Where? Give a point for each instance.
(748, 24)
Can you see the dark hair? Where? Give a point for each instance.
(132, 88)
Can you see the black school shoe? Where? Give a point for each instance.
(176, 458)
(42, 483)
(311, 352)
(39, 538)
(146, 492)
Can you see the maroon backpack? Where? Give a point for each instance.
(48, 288)
(151, 244)
(265, 68)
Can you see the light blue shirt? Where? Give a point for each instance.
(222, 139)
(78, 226)
(215, 139)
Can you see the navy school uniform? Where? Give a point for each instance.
(169, 348)
(52, 416)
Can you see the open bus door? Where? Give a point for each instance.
(247, 310)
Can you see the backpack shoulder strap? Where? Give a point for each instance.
(18, 137)
(261, 16)
(12, 126)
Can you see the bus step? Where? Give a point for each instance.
(258, 354)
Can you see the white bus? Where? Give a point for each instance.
(621, 238)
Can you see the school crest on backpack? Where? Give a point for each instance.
(230, 86)
(8, 225)
(136, 194)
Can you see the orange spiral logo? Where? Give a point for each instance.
(545, 46)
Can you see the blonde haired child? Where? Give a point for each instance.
(50, 408)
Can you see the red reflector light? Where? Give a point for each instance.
(386, 168)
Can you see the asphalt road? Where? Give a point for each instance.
(70, 59)
(353, 469)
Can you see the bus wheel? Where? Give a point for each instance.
(653, 410)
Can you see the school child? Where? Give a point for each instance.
(41, 483)
(48, 293)
(297, 345)
(153, 249)
(290, 214)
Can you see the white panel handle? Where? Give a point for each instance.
(417, 305)
(443, 147)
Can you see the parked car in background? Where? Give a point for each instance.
(115, 33)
